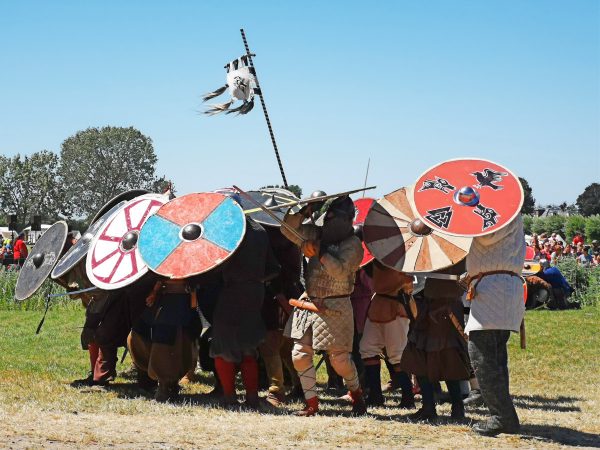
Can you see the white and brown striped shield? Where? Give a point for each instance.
(397, 237)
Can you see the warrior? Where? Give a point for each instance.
(494, 265)
(161, 341)
(436, 349)
(276, 350)
(237, 327)
(334, 257)
(386, 327)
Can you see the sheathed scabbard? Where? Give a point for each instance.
(307, 305)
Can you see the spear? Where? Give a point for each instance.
(264, 106)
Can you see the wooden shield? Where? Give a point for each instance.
(270, 198)
(363, 205)
(78, 251)
(122, 197)
(400, 240)
(192, 234)
(41, 260)
(113, 260)
(468, 197)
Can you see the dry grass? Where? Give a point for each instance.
(555, 383)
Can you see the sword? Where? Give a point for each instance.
(273, 216)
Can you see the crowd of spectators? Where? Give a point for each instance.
(13, 252)
(553, 248)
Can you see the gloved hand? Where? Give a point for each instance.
(310, 248)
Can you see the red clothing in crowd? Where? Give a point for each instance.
(20, 250)
(577, 240)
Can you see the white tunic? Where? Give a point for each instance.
(498, 304)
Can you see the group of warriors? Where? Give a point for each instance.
(315, 280)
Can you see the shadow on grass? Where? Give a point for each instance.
(559, 435)
(561, 403)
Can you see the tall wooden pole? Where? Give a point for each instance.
(264, 108)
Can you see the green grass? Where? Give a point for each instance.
(555, 383)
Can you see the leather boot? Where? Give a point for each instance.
(373, 384)
(252, 401)
(311, 408)
(408, 397)
(359, 407)
(458, 412)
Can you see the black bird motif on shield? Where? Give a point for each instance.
(488, 177)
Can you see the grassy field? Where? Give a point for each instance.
(555, 382)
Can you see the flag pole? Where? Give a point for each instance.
(264, 107)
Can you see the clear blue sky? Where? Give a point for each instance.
(408, 84)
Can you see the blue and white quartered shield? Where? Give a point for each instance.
(192, 234)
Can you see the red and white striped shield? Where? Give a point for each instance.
(113, 260)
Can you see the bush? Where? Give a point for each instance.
(539, 225)
(573, 225)
(527, 222)
(592, 228)
(585, 281)
(556, 224)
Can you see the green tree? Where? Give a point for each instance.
(589, 200)
(31, 185)
(573, 225)
(529, 201)
(99, 163)
(527, 222)
(592, 228)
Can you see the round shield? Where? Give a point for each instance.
(269, 198)
(363, 205)
(41, 260)
(468, 197)
(113, 260)
(400, 240)
(192, 234)
(122, 197)
(78, 251)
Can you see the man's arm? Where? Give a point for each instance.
(346, 261)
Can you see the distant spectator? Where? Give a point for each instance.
(561, 289)
(595, 247)
(568, 250)
(546, 252)
(578, 239)
(585, 259)
(558, 238)
(556, 255)
(20, 251)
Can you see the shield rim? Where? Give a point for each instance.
(365, 261)
(84, 255)
(243, 234)
(31, 253)
(411, 187)
(141, 271)
(123, 196)
(411, 199)
(272, 191)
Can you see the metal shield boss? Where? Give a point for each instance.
(192, 234)
(468, 197)
(399, 239)
(41, 260)
(362, 206)
(113, 260)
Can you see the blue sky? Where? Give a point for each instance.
(407, 84)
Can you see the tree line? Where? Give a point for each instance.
(93, 166)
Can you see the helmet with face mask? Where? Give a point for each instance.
(338, 216)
